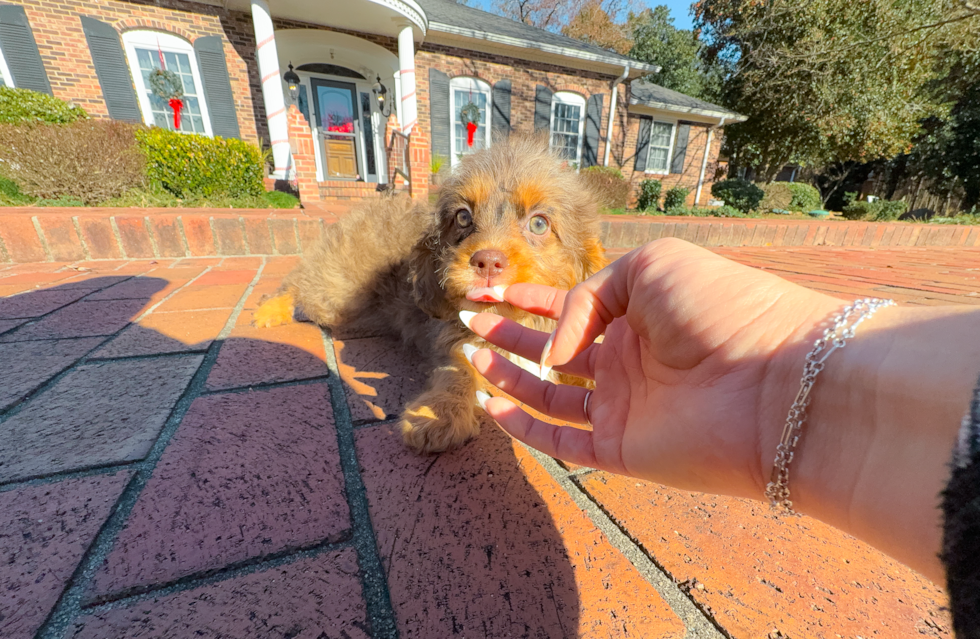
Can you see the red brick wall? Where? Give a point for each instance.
(692, 163)
(61, 42)
(525, 76)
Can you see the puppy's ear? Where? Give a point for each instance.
(594, 259)
(424, 269)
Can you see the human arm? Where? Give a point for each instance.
(700, 362)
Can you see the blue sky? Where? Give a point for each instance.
(679, 9)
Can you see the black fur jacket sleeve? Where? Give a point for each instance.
(961, 538)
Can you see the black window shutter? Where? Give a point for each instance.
(20, 50)
(642, 144)
(593, 123)
(111, 68)
(500, 123)
(680, 148)
(217, 86)
(439, 113)
(542, 108)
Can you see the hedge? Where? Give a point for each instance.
(21, 105)
(608, 184)
(649, 196)
(196, 165)
(738, 193)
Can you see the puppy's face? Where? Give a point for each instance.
(511, 215)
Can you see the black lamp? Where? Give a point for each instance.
(381, 93)
(292, 81)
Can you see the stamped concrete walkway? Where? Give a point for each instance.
(167, 471)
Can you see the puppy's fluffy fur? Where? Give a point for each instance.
(405, 268)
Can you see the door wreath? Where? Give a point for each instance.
(167, 85)
(470, 116)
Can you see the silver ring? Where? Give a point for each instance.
(585, 407)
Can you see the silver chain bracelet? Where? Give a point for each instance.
(833, 338)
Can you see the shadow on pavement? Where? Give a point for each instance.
(244, 484)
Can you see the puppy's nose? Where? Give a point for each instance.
(488, 262)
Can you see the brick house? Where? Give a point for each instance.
(434, 63)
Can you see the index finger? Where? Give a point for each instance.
(545, 301)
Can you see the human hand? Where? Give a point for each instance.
(699, 363)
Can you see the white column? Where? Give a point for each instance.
(704, 161)
(272, 95)
(406, 78)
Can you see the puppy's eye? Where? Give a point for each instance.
(538, 225)
(464, 218)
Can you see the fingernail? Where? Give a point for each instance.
(545, 352)
(499, 290)
(468, 350)
(481, 399)
(466, 317)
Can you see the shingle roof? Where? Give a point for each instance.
(653, 95)
(449, 16)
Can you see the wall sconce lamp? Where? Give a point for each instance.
(381, 93)
(292, 81)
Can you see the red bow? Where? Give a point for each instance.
(470, 130)
(176, 104)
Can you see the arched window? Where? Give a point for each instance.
(567, 125)
(149, 50)
(5, 79)
(462, 93)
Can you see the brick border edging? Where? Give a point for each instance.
(66, 235)
(627, 231)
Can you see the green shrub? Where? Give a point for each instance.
(887, 210)
(649, 195)
(674, 198)
(608, 184)
(87, 161)
(805, 197)
(878, 211)
(777, 195)
(21, 105)
(713, 211)
(10, 194)
(196, 165)
(738, 193)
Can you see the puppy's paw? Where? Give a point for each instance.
(434, 425)
(274, 312)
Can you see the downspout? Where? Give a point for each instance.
(612, 112)
(704, 160)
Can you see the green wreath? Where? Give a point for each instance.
(470, 113)
(166, 84)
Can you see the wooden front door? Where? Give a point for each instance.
(336, 114)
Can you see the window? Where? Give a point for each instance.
(5, 79)
(149, 50)
(661, 141)
(462, 92)
(567, 124)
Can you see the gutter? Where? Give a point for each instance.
(664, 106)
(612, 112)
(704, 160)
(521, 43)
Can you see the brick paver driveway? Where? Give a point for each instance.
(168, 471)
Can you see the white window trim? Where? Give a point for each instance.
(670, 149)
(5, 72)
(165, 42)
(467, 84)
(567, 97)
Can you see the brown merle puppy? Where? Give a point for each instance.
(512, 213)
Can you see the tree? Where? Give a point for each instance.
(592, 24)
(657, 41)
(555, 15)
(827, 81)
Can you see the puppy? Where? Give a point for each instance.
(512, 213)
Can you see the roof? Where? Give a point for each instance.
(449, 17)
(652, 95)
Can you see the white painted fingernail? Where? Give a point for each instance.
(545, 352)
(466, 317)
(481, 399)
(499, 290)
(468, 350)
